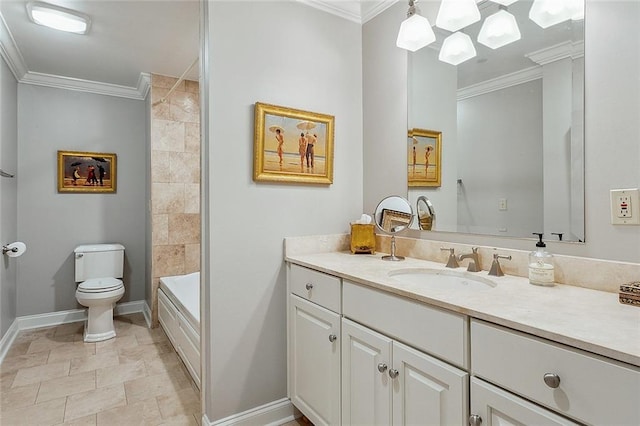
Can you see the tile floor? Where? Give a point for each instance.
(50, 377)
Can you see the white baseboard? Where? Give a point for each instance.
(146, 311)
(7, 339)
(61, 317)
(271, 414)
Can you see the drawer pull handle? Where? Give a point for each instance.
(475, 420)
(332, 338)
(309, 286)
(382, 367)
(393, 373)
(552, 380)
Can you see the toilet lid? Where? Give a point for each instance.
(95, 285)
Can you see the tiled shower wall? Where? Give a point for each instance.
(175, 181)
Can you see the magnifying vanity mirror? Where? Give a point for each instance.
(512, 130)
(426, 213)
(393, 216)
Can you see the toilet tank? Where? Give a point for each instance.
(99, 261)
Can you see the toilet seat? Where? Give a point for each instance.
(99, 285)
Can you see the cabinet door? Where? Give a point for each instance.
(427, 391)
(497, 407)
(314, 361)
(366, 391)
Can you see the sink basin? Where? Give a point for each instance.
(442, 279)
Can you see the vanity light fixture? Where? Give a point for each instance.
(546, 13)
(415, 31)
(456, 49)
(499, 30)
(504, 2)
(58, 18)
(457, 14)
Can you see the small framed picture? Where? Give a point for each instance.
(424, 155)
(86, 172)
(292, 146)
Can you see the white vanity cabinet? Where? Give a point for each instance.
(386, 382)
(576, 384)
(314, 345)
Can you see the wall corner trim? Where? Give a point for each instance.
(10, 52)
(8, 338)
(271, 414)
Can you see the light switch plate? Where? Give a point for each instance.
(625, 206)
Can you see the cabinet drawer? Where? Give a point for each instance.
(432, 330)
(592, 389)
(315, 286)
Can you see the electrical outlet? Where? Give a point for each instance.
(625, 206)
(502, 204)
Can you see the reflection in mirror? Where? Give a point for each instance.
(512, 130)
(426, 213)
(392, 216)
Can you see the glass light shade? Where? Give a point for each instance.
(546, 13)
(58, 18)
(504, 2)
(457, 14)
(415, 33)
(456, 49)
(499, 30)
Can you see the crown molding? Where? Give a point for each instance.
(502, 82)
(10, 52)
(339, 9)
(48, 80)
(371, 9)
(565, 50)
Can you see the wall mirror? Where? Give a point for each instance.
(512, 130)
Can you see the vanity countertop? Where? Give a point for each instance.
(582, 318)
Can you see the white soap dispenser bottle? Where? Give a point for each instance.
(541, 270)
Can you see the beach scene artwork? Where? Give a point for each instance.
(423, 158)
(293, 145)
(86, 172)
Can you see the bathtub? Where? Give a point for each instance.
(179, 316)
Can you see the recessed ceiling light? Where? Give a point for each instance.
(58, 18)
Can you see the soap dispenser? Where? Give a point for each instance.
(541, 271)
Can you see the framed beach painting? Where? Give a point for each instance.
(424, 157)
(86, 172)
(292, 146)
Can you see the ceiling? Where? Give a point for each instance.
(127, 40)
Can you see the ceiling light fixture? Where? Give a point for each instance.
(456, 49)
(546, 13)
(58, 18)
(499, 30)
(457, 14)
(415, 31)
(504, 2)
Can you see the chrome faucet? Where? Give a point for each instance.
(474, 265)
(452, 262)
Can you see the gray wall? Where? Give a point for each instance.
(288, 54)
(53, 224)
(612, 108)
(8, 193)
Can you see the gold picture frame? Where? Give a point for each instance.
(292, 146)
(424, 157)
(392, 219)
(88, 172)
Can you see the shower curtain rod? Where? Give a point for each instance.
(164, 98)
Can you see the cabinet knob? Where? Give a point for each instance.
(475, 420)
(552, 380)
(332, 338)
(393, 373)
(382, 367)
(309, 286)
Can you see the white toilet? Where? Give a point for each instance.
(99, 269)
